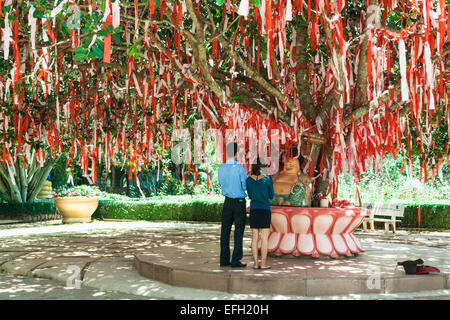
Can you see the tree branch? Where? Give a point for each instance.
(445, 51)
(363, 110)
(361, 77)
(253, 74)
(302, 80)
(199, 51)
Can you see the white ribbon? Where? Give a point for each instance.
(262, 12)
(32, 22)
(289, 10)
(243, 8)
(6, 38)
(402, 54)
(428, 65)
(58, 9)
(116, 13)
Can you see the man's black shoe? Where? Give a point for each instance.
(239, 265)
(225, 265)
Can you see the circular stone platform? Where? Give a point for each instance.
(374, 271)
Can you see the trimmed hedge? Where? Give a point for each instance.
(189, 210)
(38, 207)
(207, 209)
(431, 216)
(43, 209)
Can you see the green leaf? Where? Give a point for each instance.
(38, 14)
(80, 50)
(103, 33)
(79, 57)
(220, 2)
(87, 41)
(100, 43)
(118, 30)
(92, 55)
(116, 38)
(97, 52)
(256, 2)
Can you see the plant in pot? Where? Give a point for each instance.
(77, 203)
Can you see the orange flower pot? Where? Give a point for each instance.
(76, 209)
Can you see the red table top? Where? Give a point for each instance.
(314, 211)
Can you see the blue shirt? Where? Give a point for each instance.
(259, 192)
(232, 178)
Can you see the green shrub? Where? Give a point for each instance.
(195, 209)
(431, 216)
(161, 209)
(59, 173)
(2, 198)
(36, 208)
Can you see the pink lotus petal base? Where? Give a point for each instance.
(315, 231)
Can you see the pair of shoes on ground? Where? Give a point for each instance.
(257, 266)
(239, 265)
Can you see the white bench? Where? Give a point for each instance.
(387, 213)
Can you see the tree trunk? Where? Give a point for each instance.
(322, 183)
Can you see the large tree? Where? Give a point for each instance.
(97, 79)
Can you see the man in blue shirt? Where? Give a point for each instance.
(232, 180)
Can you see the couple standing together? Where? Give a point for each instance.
(234, 182)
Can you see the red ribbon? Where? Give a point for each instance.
(418, 211)
(107, 46)
(151, 6)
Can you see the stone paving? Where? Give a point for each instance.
(103, 252)
(195, 265)
(15, 287)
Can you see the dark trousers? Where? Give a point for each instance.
(233, 211)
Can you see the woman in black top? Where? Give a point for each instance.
(260, 190)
